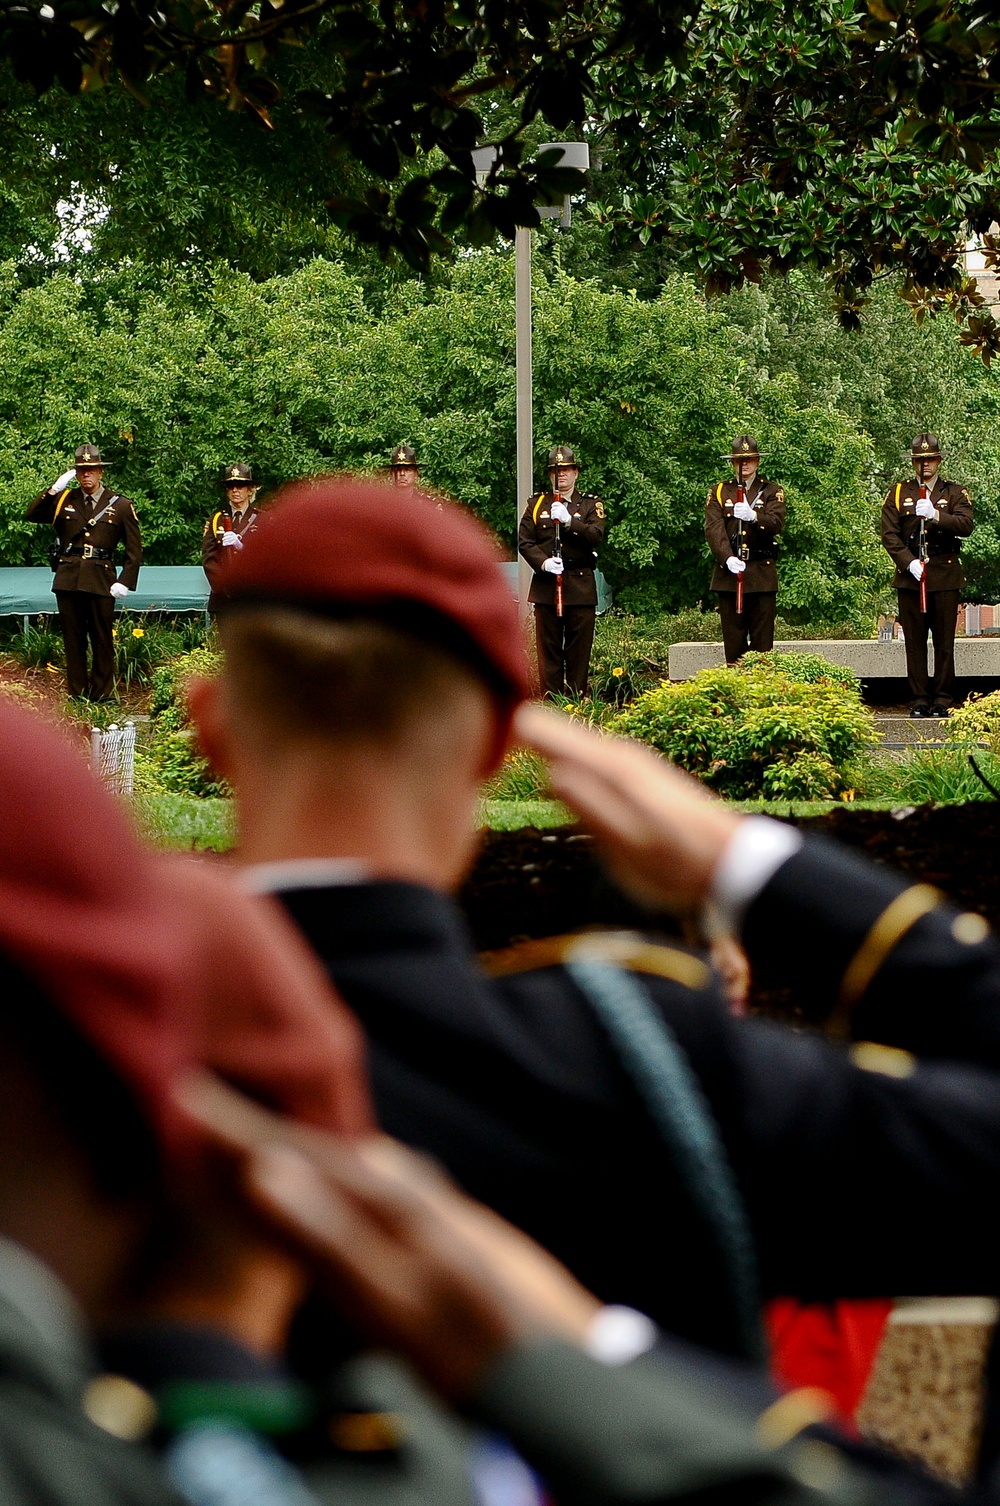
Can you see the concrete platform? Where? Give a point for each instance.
(974, 657)
(901, 731)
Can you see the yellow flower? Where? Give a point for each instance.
(618, 672)
(51, 669)
(138, 632)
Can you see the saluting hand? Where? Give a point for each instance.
(661, 832)
(63, 481)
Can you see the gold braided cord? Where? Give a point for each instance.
(887, 932)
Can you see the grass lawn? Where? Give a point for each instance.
(186, 822)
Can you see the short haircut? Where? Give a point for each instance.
(347, 678)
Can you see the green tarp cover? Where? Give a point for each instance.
(162, 588)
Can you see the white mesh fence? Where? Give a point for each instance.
(112, 756)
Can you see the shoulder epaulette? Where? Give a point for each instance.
(625, 949)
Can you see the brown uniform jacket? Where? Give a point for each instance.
(214, 554)
(581, 538)
(71, 512)
(901, 533)
(760, 538)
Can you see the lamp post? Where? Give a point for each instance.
(574, 154)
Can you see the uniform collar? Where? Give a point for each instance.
(94, 501)
(356, 919)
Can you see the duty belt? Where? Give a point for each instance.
(85, 552)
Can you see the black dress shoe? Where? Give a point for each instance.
(918, 711)
(939, 710)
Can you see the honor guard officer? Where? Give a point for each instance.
(559, 536)
(226, 529)
(90, 522)
(924, 521)
(743, 518)
(403, 467)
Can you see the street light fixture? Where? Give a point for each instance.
(574, 154)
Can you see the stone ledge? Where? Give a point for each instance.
(872, 660)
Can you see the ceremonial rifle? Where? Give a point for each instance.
(741, 547)
(557, 554)
(922, 549)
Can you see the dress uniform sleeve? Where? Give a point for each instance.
(211, 550)
(590, 524)
(129, 573)
(527, 538)
(772, 511)
(958, 519)
(715, 529)
(892, 536)
(42, 509)
(888, 959)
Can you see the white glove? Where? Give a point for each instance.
(560, 512)
(118, 591)
(744, 512)
(232, 541)
(63, 482)
(916, 569)
(735, 566)
(553, 566)
(925, 508)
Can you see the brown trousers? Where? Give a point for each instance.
(754, 629)
(939, 619)
(82, 616)
(564, 645)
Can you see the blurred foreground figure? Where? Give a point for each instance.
(597, 1093)
(120, 996)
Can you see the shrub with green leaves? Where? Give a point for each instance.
(977, 721)
(781, 726)
(170, 761)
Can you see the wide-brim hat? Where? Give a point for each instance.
(238, 475)
(925, 447)
(744, 447)
(562, 454)
(88, 454)
(404, 457)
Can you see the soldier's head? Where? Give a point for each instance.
(563, 469)
(240, 489)
(745, 458)
(374, 660)
(89, 467)
(403, 467)
(120, 980)
(925, 454)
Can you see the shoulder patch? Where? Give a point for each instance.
(599, 507)
(779, 494)
(625, 949)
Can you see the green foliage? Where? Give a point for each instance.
(296, 376)
(181, 821)
(138, 649)
(521, 776)
(774, 728)
(170, 760)
(40, 646)
(977, 721)
(932, 776)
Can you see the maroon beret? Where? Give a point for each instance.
(348, 545)
(133, 950)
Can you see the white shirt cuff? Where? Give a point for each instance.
(619, 1334)
(756, 851)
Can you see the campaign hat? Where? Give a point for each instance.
(423, 564)
(744, 447)
(562, 454)
(925, 447)
(88, 454)
(404, 457)
(238, 475)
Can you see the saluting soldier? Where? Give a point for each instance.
(924, 521)
(743, 518)
(90, 522)
(403, 467)
(226, 528)
(560, 534)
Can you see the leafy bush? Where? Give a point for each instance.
(977, 721)
(782, 726)
(40, 646)
(170, 761)
(521, 776)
